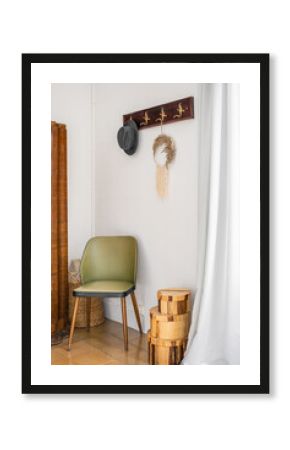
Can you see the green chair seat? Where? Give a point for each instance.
(104, 288)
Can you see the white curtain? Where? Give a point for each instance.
(214, 334)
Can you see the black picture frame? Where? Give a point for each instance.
(27, 61)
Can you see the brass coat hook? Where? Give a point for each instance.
(180, 111)
(162, 116)
(146, 118)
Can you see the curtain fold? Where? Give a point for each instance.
(214, 334)
(59, 230)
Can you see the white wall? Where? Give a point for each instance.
(111, 193)
(71, 104)
(126, 197)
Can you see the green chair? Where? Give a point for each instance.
(108, 269)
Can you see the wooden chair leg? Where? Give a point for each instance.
(72, 327)
(125, 325)
(88, 312)
(136, 310)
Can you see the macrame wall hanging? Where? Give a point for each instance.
(164, 152)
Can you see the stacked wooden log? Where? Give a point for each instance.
(170, 320)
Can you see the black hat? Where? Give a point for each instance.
(128, 137)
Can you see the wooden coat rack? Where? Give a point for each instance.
(162, 114)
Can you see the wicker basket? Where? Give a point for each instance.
(97, 309)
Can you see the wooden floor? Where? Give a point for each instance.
(102, 345)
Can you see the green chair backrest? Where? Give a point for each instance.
(111, 258)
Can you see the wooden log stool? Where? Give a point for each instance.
(168, 326)
(165, 351)
(173, 301)
(170, 321)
